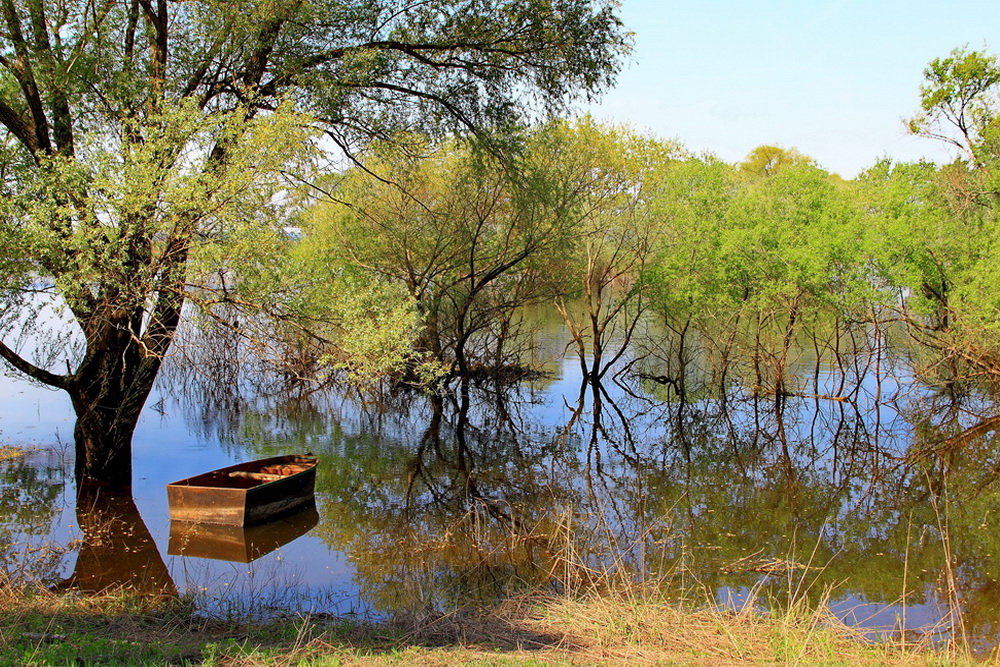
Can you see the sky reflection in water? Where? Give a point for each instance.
(431, 502)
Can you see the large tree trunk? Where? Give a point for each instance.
(108, 392)
(106, 417)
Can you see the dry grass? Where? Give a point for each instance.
(636, 631)
(40, 627)
(547, 630)
(605, 617)
(639, 631)
(8, 453)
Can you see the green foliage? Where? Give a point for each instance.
(917, 242)
(959, 102)
(748, 256)
(606, 176)
(691, 201)
(792, 236)
(144, 146)
(454, 234)
(152, 193)
(768, 160)
(597, 217)
(730, 244)
(933, 236)
(368, 324)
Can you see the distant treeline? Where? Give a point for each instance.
(420, 262)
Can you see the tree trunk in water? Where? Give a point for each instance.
(786, 345)
(108, 394)
(103, 436)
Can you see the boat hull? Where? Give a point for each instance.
(245, 494)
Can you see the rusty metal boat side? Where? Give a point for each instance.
(246, 493)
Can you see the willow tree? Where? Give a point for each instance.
(753, 253)
(940, 224)
(470, 241)
(141, 137)
(607, 175)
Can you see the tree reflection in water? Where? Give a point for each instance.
(482, 492)
(30, 488)
(886, 494)
(117, 552)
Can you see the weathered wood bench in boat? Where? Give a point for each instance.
(245, 493)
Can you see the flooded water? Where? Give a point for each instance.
(881, 505)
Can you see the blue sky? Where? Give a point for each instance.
(832, 78)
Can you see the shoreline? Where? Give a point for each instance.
(39, 627)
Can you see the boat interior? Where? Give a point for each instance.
(249, 476)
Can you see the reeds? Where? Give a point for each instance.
(604, 603)
(633, 626)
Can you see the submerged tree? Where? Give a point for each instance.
(140, 138)
(608, 175)
(935, 234)
(472, 240)
(456, 231)
(747, 257)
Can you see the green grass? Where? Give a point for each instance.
(38, 627)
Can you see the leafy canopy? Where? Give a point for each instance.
(140, 138)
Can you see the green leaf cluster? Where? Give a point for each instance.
(753, 241)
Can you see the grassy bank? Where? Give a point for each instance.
(38, 627)
(8, 453)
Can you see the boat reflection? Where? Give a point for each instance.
(236, 543)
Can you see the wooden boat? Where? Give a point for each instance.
(240, 544)
(246, 493)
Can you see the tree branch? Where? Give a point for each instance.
(31, 370)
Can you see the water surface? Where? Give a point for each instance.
(882, 505)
